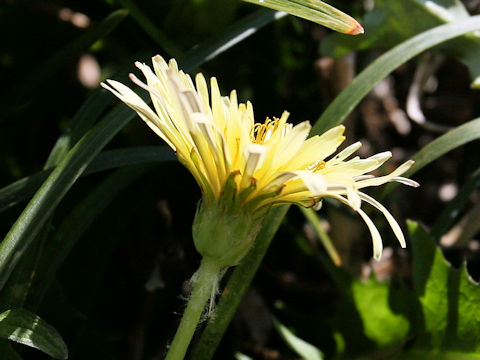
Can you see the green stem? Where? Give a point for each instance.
(236, 287)
(204, 283)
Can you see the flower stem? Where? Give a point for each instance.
(204, 283)
(237, 285)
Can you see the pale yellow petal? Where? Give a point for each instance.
(291, 144)
(391, 220)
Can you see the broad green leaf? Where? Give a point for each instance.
(345, 102)
(448, 297)
(16, 289)
(316, 11)
(436, 355)
(301, 347)
(23, 327)
(381, 324)
(368, 318)
(392, 22)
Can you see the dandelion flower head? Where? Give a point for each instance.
(254, 166)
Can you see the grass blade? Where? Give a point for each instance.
(72, 166)
(26, 187)
(55, 187)
(231, 36)
(77, 222)
(335, 114)
(345, 102)
(316, 11)
(22, 326)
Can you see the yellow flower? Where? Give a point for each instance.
(253, 166)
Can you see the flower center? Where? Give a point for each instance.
(319, 165)
(262, 132)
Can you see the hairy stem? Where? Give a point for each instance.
(204, 285)
(236, 287)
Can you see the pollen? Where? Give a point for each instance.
(319, 166)
(262, 132)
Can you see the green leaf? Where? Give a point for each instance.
(23, 327)
(78, 221)
(74, 163)
(334, 115)
(436, 355)
(369, 317)
(344, 103)
(381, 324)
(392, 22)
(448, 298)
(301, 347)
(451, 140)
(239, 356)
(91, 110)
(26, 187)
(229, 37)
(55, 187)
(316, 11)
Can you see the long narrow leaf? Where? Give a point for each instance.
(316, 11)
(55, 187)
(22, 326)
(344, 103)
(451, 140)
(335, 114)
(88, 114)
(78, 221)
(235, 33)
(301, 347)
(26, 187)
(65, 174)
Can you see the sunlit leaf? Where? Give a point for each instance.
(448, 297)
(346, 101)
(392, 22)
(23, 327)
(301, 347)
(316, 11)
